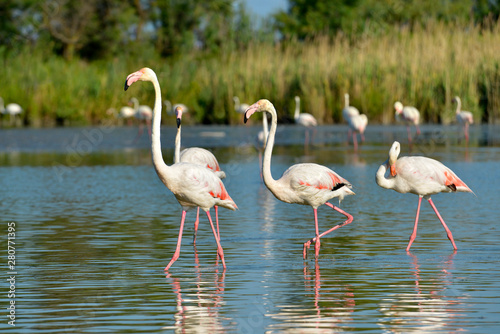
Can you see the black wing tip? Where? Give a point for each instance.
(338, 186)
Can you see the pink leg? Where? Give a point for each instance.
(306, 138)
(362, 137)
(178, 249)
(448, 232)
(348, 221)
(409, 133)
(196, 223)
(355, 141)
(418, 129)
(348, 135)
(219, 247)
(217, 220)
(148, 122)
(466, 132)
(414, 234)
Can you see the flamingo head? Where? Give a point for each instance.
(297, 99)
(260, 105)
(178, 115)
(393, 157)
(399, 107)
(144, 74)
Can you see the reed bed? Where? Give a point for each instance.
(425, 68)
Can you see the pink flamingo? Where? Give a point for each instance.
(305, 119)
(192, 185)
(357, 124)
(198, 156)
(348, 112)
(306, 183)
(420, 176)
(408, 115)
(464, 118)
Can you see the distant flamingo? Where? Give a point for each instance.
(408, 115)
(198, 156)
(420, 176)
(171, 108)
(357, 124)
(464, 118)
(239, 107)
(192, 185)
(306, 183)
(12, 109)
(144, 114)
(348, 112)
(304, 119)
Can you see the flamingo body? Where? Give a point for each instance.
(126, 112)
(420, 176)
(348, 111)
(191, 184)
(464, 118)
(409, 116)
(239, 107)
(303, 119)
(306, 184)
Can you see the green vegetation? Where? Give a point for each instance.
(420, 64)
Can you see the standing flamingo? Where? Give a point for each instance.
(198, 156)
(408, 115)
(358, 123)
(306, 183)
(239, 107)
(304, 119)
(464, 118)
(144, 114)
(192, 185)
(420, 176)
(348, 112)
(13, 109)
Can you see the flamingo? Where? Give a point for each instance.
(191, 184)
(304, 119)
(420, 176)
(358, 123)
(239, 107)
(464, 118)
(348, 112)
(171, 109)
(408, 115)
(13, 109)
(198, 156)
(305, 183)
(144, 114)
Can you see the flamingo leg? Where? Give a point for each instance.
(148, 124)
(355, 141)
(348, 221)
(220, 251)
(362, 137)
(348, 135)
(409, 133)
(466, 132)
(178, 249)
(418, 129)
(448, 232)
(306, 138)
(196, 223)
(414, 234)
(217, 220)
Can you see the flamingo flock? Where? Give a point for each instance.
(196, 180)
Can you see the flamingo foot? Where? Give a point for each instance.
(306, 247)
(174, 258)
(317, 246)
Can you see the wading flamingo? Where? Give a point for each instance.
(198, 156)
(12, 109)
(192, 185)
(171, 109)
(409, 116)
(306, 183)
(239, 107)
(348, 112)
(357, 124)
(464, 118)
(143, 114)
(304, 119)
(420, 176)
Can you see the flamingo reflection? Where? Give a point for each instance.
(433, 306)
(198, 310)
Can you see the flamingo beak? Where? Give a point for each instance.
(393, 170)
(178, 122)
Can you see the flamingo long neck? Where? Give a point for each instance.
(136, 103)
(236, 103)
(177, 151)
(2, 107)
(346, 101)
(297, 109)
(265, 128)
(459, 106)
(387, 183)
(158, 162)
(270, 183)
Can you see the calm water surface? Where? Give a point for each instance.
(95, 229)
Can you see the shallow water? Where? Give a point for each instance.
(95, 229)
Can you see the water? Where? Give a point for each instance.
(95, 229)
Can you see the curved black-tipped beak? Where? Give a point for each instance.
(126, 86)
(245, 119)
(178, 122)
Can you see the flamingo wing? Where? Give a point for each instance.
(202, 157)
(306, 119)
(411, 114)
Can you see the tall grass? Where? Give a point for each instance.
(425, 68)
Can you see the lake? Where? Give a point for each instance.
(94, 229)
